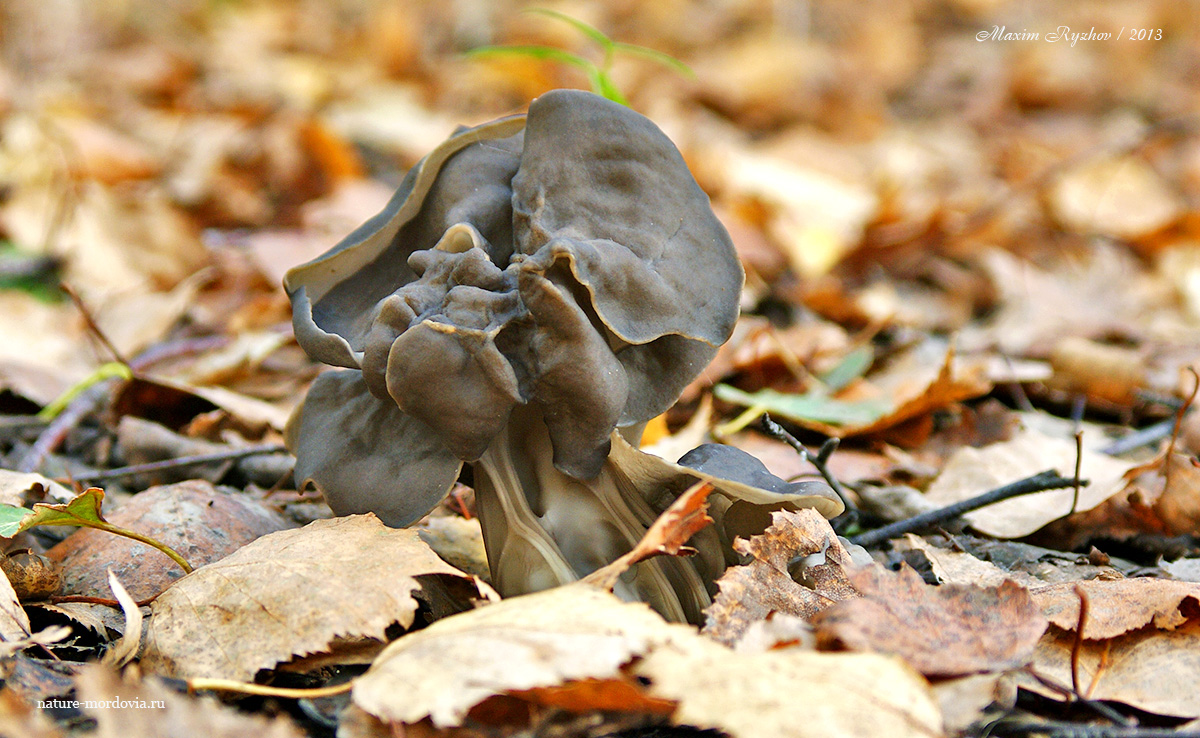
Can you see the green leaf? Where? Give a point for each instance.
(854, 365)
(602, 84)
(656, 56)
(807, 407)
(10, 520)
(591, 32)
(83, 510)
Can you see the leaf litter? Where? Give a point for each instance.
(894, 186)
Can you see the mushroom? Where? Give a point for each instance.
(538, 288)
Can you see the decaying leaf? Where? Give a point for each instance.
(948, 630)
(972, 471)
(579, 648)
(124, 708)
(792, 693)
(667, 535)
(1117, 607)
(959, 567)
(291, 593)
(204, 524)
(1117, 197)
(536, 641)
(750, 593)
(14, 622)
(1141, 647)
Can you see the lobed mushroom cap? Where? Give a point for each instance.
(566, 259)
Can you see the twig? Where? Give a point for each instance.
(1078, 467)
(1098, 707)
(1139, 438)
(89, 600)
(820, 461)
(1176, 428)
(1040, 482)
(1062, 729)
(156, 466)
(229, 685)
(52, 437)
(92, 325)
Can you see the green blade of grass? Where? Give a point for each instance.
(590, 31)
(806, 407)
(534, 52)
(656, 56)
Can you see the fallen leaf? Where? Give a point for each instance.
(295, 591)
(203, 524)
(748, 594)
(1116, 607)
(125, 708)
(543, 640)
(667, 535)
(946, 630)
(972, 471)
(1117, 197)
(1150, 669)
(791, 693)
(14, 622)
(959, 567)
(126, 647)
(579, 647)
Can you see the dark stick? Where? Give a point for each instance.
(1040, 482)
(84, 404)
(154, 466)
(820, 460)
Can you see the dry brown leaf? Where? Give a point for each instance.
(19, 718)
(1150, 669)
(579, 648)
(17, 488)
(973, 471)
(791, 693)
(960, 567)
(127, 709)
(1117, 197)
(948, 630)
(123, 651)
(547, 639)
(1116, 607)
(291, 593)
(748, 594)
(202, 523)
(14, 622)
(667, 535)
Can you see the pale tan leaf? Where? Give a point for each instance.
(541, 640)
(973, 471)
(1150, 669)
(1116, 607)
(149, 709)
(1118, 197)
(123, 651)
(289, 594)
(792, 693)
(14, 622)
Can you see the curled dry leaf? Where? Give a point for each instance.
(543, 640)
(973, 471)
(948, 630)
(1117, 607)
(179, 714)
(123, 651)
(202, 523)
(292, 593)
(579, 648)
(1141, 647)
(750, 593)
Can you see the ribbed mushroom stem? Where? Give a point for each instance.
(543, 528)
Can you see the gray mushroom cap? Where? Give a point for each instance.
(565, 259)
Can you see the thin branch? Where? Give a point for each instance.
(182, 461)
(1077, 646)
(820, 461)
(1040, 482)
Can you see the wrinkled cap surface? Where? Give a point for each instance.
(567, 259)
